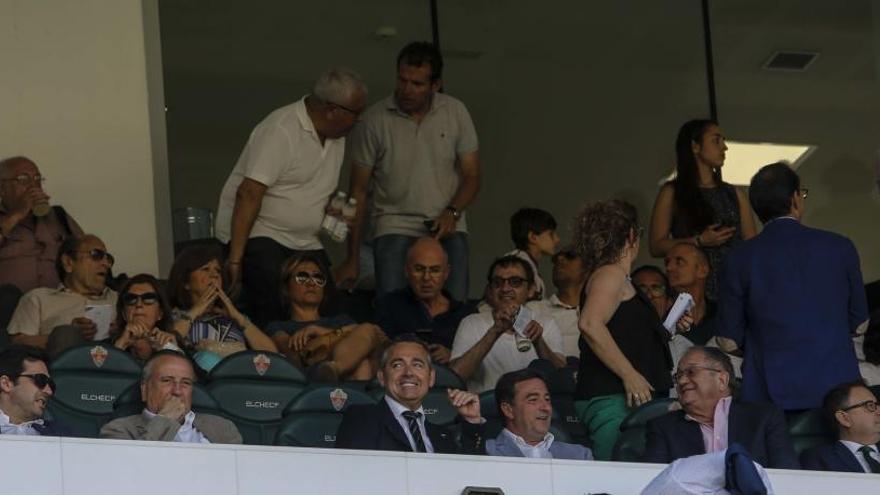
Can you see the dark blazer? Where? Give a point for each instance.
(791, 298)
(831, 457)
(374, 427)
(759, 428)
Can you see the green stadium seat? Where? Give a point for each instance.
(630, 445)
(446, 378)
(809, 429)
(312, 418)
(252, 389)
(90, 378)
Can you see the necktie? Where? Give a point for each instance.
(873, 464)
(412, 418)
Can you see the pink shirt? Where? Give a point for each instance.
(715, 435)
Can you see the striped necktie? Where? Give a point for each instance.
(873, 464)
(412, 418)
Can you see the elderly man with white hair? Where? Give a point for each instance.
(273, 202)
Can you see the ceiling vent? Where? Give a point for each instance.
(790, 61)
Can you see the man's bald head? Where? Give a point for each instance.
(687, 267)
(427, 268)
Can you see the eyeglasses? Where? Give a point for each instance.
(513, 282)
(99, 255)
(356, 113)
(422, 270)
(804, 192)
(25, 179)
(568, 254)
(869, 405)
(655, 289)
(316, 278)
(41, 380)
(147, 298)
(691, 371)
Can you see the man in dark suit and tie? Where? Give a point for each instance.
(791, 299)
(711, 419)
(397, 422)
(852, 410)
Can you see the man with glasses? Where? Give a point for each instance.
(791, 299)
(652, 282)
(25, 389)
(30, 231)
(711, 419)
(58, 318)
(424, 307)
(488, 345)
(274, 200)
(166, 388)
(851, 410)
(569, 277)
(419, 149)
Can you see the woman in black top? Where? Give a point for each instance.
(697, 206)
(624, 352)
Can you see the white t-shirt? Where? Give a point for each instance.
(284, 152)
(566, 318)
(504, 356)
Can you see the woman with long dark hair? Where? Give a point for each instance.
(697, 206)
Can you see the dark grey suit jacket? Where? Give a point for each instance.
(137, 427)
(831, 457)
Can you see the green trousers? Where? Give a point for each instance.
(602, 416)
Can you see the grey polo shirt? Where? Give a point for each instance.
(413, 164)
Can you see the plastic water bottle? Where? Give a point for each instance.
(330, 222)
(348, 213)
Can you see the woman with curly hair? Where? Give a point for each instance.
(697, 206)
(624, 351)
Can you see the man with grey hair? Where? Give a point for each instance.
(166, 389)
(397, 422)
(711, 419)
(274, 200)
(30, 231)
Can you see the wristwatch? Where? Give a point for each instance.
(455, 213)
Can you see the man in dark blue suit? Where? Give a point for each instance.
(711, 419)
(852, 410)
(398, 422)
(25, 389)
(791, 299)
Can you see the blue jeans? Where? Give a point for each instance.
(390, 255)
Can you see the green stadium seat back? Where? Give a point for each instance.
(333, 399)
(564, 412)
(444, 377)
(562, 382)
(96, 357)
(309, 429)
(487, 404)
(809, 429)
(438, 409)
(630, 445)
(257, 365)
(84, 400)
(254, 400)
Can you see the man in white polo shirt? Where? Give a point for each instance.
(273, 202)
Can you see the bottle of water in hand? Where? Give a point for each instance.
(348, 213)
(331, 221)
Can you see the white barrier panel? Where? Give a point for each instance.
(73, 466)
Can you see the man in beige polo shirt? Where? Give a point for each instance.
(273, 202)
(55, 319)
(419, 147)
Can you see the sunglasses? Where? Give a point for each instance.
(147, 298)
(316, 278)
(99, 255)
(514, 282)
(41, 380)
(568, 254)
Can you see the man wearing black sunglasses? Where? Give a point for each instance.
(58, 318)
(25, 389)
(490, 344)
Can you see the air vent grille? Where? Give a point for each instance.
(790, 61)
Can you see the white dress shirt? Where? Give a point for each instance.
(539, 451)
(398, 409)
(187, 432)
(854, 448)
(26, 428)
